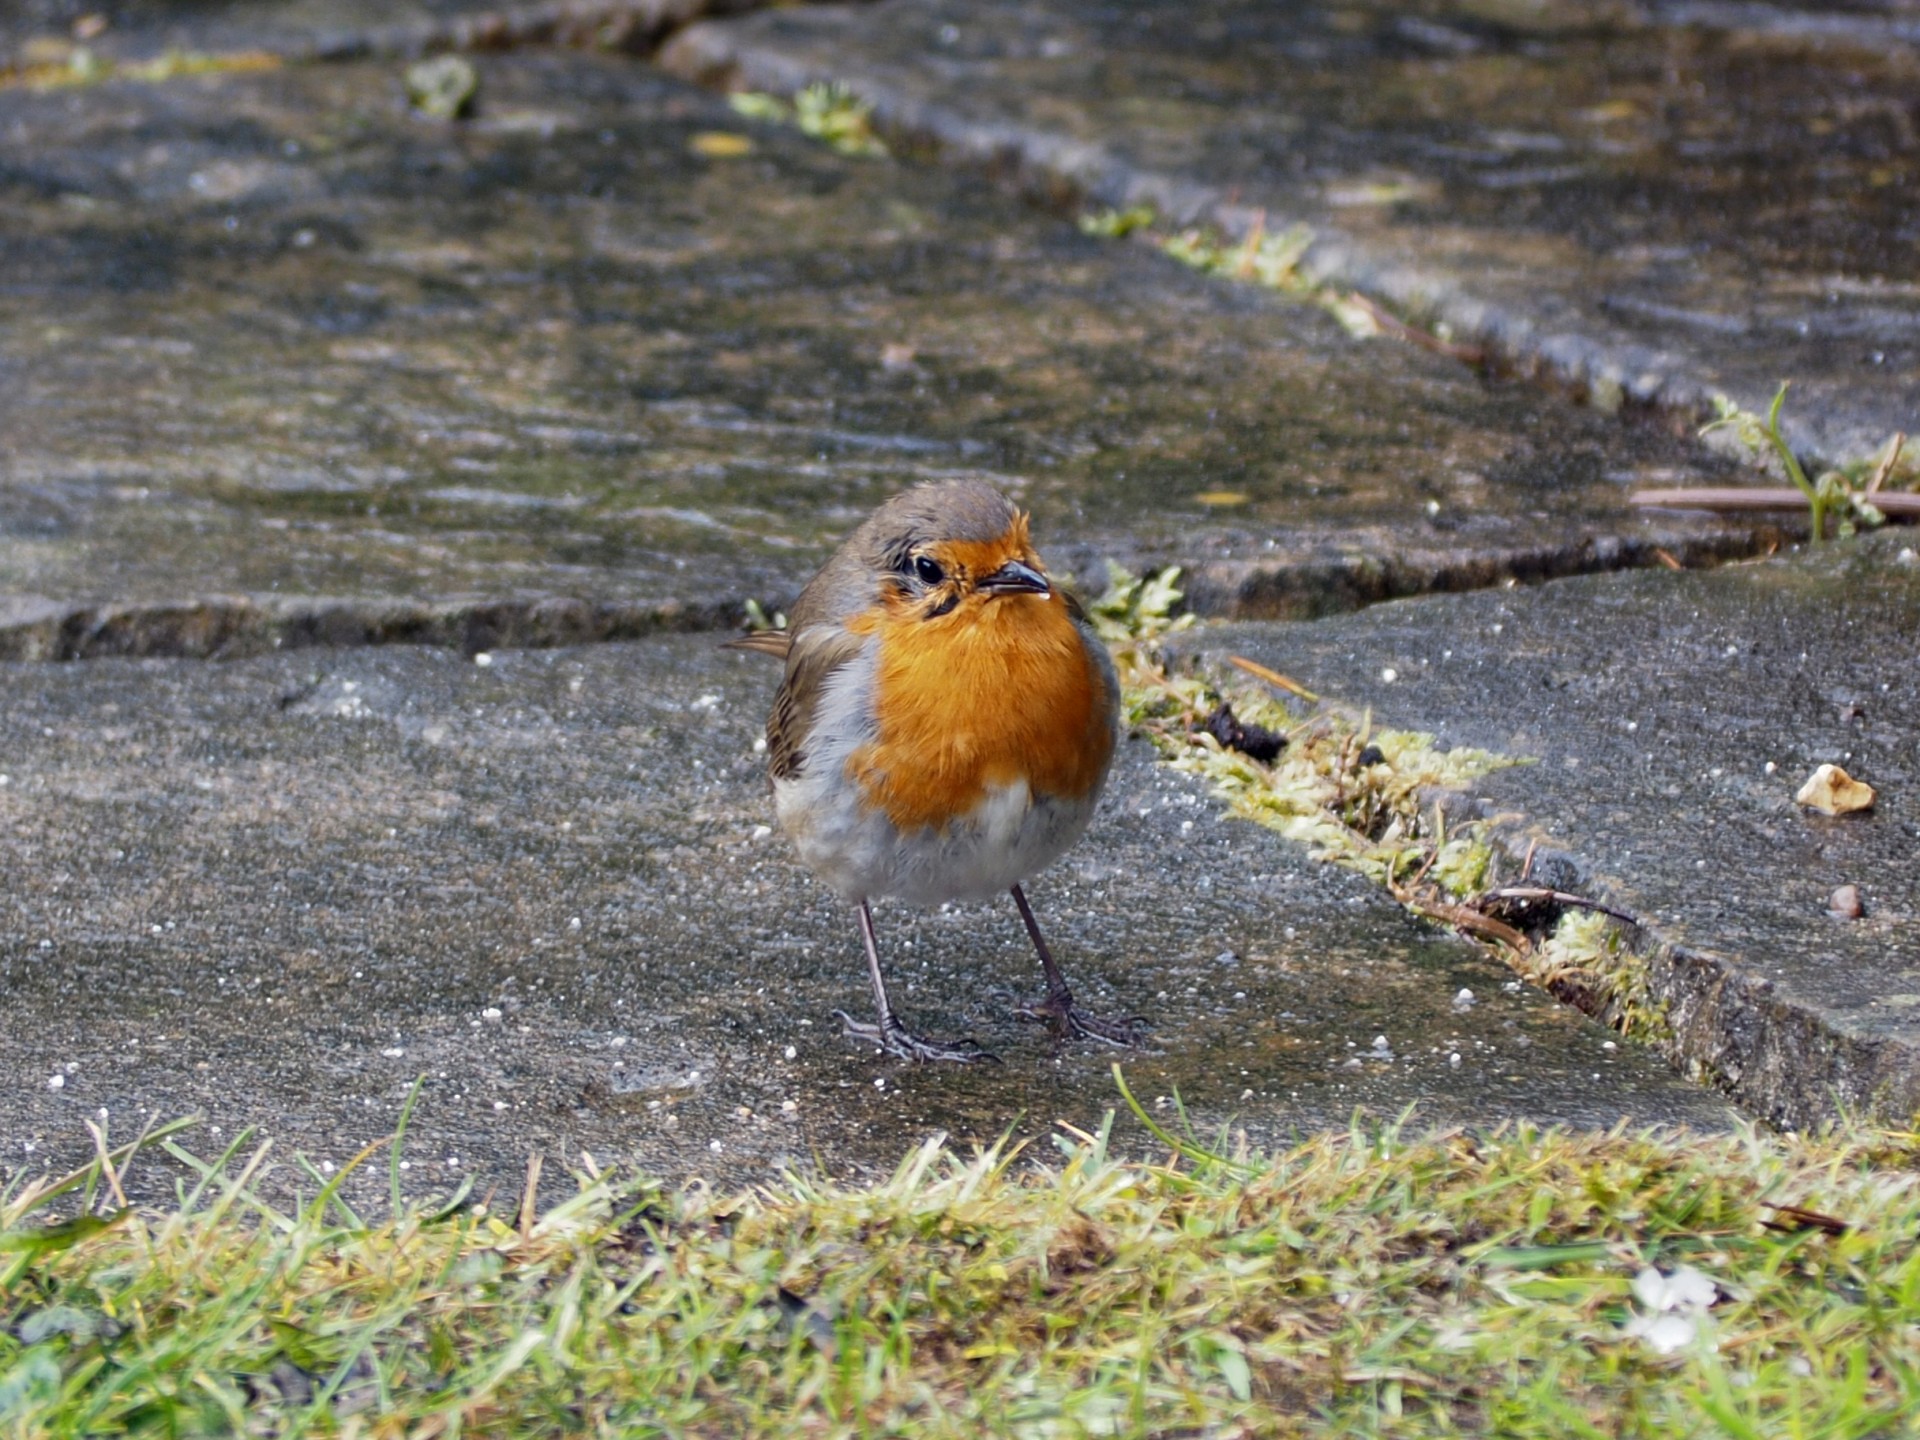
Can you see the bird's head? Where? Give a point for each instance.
(954, 549)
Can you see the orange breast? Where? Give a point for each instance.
(1000, 690)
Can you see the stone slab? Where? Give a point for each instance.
(273, 892)
(1647, 201)
(285, 359)
(1673, 717)
(48, 33)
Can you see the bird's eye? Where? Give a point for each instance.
(928, 570)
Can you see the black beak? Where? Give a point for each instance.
(1014, 578)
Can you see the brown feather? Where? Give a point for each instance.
(817, 652)
(762, 642)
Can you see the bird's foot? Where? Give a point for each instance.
(894, 1038)
(1068, 1021)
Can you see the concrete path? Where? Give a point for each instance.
(1650, 202)
(283, 362)
(290, 372)
(275, 891)
(1673, 718)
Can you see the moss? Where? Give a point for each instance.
(1587, 962)
(1362, 796)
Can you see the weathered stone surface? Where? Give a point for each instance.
(49, 33)
(1673, 718)
(276, 891)
(1652, 201)
(271, 341)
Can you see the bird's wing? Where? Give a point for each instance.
(815, 654)
(763, 642)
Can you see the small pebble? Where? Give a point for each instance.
(792, 1053)
(1844, 903)
(483, 659)
(1454, 1060)
(56, 1082)
(1463, 999)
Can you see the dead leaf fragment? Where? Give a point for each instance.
(1832, 791)
(721, 145)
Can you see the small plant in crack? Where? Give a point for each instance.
(1844, 494)
(828, 111)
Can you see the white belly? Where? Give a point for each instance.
(1008, 836)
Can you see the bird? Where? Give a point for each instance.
(943, 729)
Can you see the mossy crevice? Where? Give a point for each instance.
(1367, 797)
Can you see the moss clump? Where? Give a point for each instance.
(1587, 962)
(829, 112)
(1352, 792)
(1361, 796)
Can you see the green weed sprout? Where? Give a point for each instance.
(826, 111)
(1831, 494)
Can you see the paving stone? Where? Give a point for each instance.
(1673, 717)
(1649, 201)
(283, 361)
(273, 892)
(51, 33)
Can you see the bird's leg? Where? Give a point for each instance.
(889, 1034)
(1058, 1010)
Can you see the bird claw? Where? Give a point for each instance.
(894, 1038)
(1068, 1021)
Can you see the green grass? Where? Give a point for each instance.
(1374, 1281)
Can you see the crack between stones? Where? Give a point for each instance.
(228, 627)
(1066, 174)
(1728, 1028)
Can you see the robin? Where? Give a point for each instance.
(944, 727)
